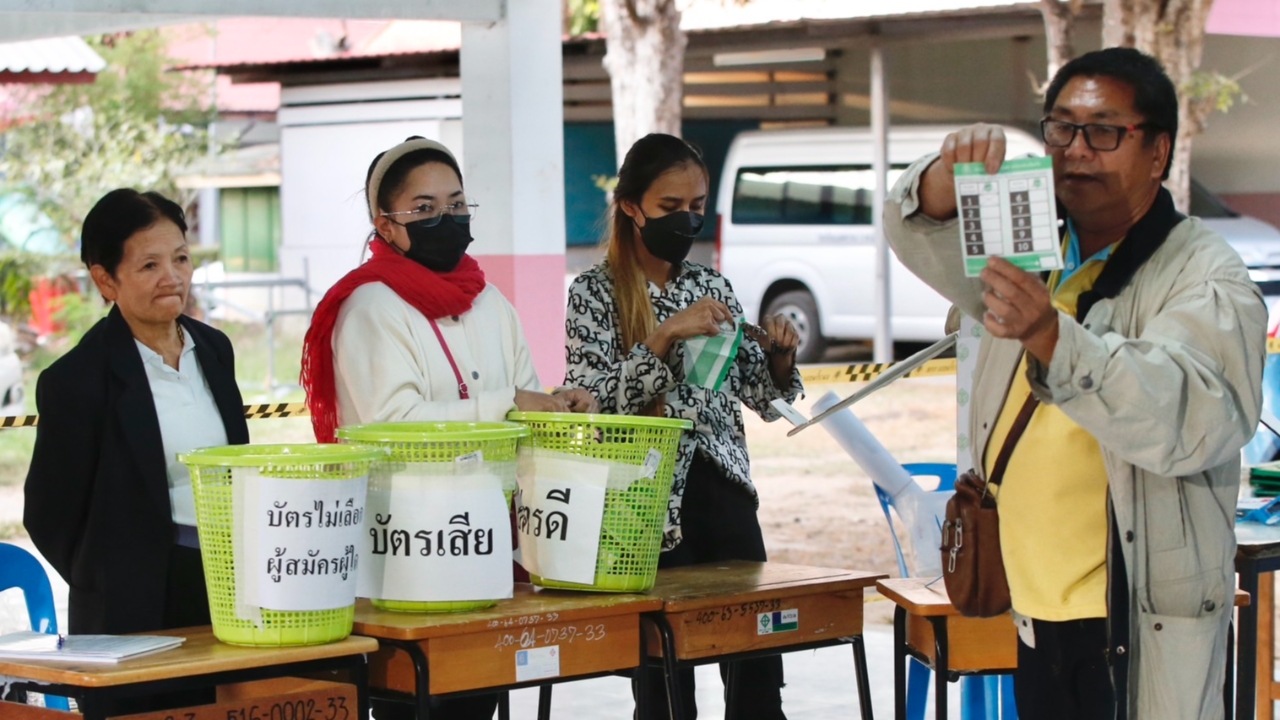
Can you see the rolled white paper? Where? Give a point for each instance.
(921, 512)
(885, 471)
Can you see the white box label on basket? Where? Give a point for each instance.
(296, 542)
(537, 663)
(559, 510)
(436, 538)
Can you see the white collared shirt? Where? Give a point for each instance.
(189, 419)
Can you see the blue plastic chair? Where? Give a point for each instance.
(980, 696)
(20, 569)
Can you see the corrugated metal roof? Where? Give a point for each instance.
(54, 55)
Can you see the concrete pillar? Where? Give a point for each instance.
(883, 348)
(513, 141)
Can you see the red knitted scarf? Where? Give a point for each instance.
(435, 295)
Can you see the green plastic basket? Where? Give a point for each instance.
(437, 442)
(631, 532)
(211, 481)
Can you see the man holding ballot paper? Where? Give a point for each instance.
(1139, 366)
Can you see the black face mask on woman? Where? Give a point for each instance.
(670, 237)
(439, 247)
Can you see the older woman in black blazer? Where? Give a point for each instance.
(107, 503)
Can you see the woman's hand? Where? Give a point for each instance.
(579, 400)
(779, 339)
(701, 318)
(531, 401)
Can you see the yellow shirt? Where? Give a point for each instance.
(1053, 498)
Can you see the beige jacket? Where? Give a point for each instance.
(1167, 376)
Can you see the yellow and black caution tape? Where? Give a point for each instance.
(810, 374)
(276, 410)
(251, 412)
(834, 374)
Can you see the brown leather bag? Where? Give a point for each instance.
(972, 565)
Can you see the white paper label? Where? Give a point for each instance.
(777, 622)
(537, 663)
(471, 457)
(652, 461)
(296, 542)
(788, 411)
(559, 510)
(436, 538)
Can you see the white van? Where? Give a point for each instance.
(795, 231)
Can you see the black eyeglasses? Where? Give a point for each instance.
(1102, 138)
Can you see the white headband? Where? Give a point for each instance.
(388, 159)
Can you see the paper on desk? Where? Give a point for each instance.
(29, 645)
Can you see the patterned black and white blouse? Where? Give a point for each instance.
(625, 380)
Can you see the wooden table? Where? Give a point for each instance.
(1257, 553)
(202, 662)
(425, 655)
(722, 612)
(928, 627)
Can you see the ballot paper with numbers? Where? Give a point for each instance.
(1012, 215)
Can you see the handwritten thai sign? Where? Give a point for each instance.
(559, 510)
(296, 542)
(436, 538)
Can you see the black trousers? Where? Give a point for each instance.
(718, 522)
(1066, 676)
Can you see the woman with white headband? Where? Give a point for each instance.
(415, 333)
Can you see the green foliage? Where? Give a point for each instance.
(18, 273)
(1215, 90)
(583, 16)
(77, 313)
(135, 126)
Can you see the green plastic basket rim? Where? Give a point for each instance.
(600, 419)
(433, 432)
(268, 455)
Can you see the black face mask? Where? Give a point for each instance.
(670, 237)
(440, 247)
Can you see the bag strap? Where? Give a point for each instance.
(1011, 440)
(457, 374)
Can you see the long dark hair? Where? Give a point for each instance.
(651, 157)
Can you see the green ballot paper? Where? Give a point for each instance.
(1012, 214)
(707, 358)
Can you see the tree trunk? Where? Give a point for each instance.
(1059, 24)
(645, 62)
(1172, 31)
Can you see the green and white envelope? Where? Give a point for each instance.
(707, 358)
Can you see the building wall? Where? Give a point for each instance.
(1238, 156)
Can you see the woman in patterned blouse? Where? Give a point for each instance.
(627, 320)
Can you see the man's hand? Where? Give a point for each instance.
(975, 143)
(1019, 308)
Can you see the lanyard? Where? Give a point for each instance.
(462, 384)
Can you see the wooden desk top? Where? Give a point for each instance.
(528, 607)
(917, 599)
(697, 587)
(201, 654)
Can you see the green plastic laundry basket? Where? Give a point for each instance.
(437, 442)
(631, 532)
(211, 480)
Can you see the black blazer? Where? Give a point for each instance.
(97, 497)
